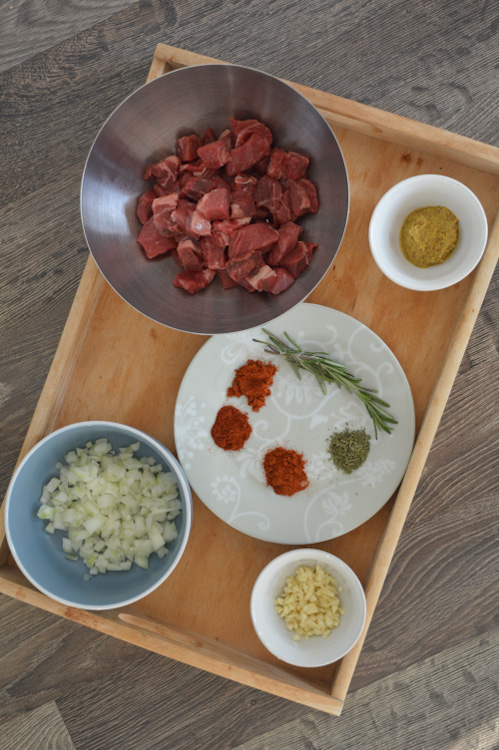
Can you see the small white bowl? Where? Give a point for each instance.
(418, 192)
(271, 628)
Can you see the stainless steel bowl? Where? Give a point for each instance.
(144, 128)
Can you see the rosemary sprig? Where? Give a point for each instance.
(327, 370)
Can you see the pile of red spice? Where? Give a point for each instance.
(253, 380)
(231, 429)
(285, 471)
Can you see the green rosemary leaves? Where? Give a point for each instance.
(327, 370)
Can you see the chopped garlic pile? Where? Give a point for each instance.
(309, 604)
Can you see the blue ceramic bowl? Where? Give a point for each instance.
(40, 555)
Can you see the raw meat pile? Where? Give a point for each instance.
(228, 207)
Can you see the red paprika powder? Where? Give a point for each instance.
(285, 471)
(253, 380)
(231, 429)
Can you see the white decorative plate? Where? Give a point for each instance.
(297, 415)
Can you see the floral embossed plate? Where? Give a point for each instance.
(297, 415)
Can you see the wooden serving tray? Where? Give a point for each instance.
(113, 363)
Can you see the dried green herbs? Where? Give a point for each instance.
(349, 449)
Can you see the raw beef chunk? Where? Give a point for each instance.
(246, 156)
(153, 242)
(215, 155)
(194, 281)
(187, 147)
(213, 253)
(244, 129)
(251, 239)
(215, 205)
(162, 209)
(297, 259)
(190, 254)
(264, 279)
(282, 281)
(287, 165)
(164, 172)
(303, 197)
(240, 268)
(144, 206)
(225, 279)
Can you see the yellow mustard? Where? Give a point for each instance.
(429, 235)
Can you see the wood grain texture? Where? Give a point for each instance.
(424, 707)
(42, 728)
(53, 103)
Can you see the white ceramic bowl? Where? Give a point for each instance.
(418, 192)
(271, 629)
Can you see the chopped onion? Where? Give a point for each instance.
(116, 508)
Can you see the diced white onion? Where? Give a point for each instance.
(117, 509)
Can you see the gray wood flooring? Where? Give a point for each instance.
(427, 677)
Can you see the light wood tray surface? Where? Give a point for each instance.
(200, 615)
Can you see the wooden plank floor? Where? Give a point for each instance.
(427, 677)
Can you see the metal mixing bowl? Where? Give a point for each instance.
(143, 129)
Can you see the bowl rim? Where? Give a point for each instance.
(436, 284)
(321, 557)
(217, 66)
(139, 435)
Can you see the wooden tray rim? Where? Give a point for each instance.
(179, 644)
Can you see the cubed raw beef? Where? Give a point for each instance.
(282, 211)
(240, 269)
(164, 172)
(263, 279)
(244, 129)
(277, 164)
(258, 237)
(244, 157)
(153, 242)
(199, 225)
(282, 281)
(197, 169)
(297, 165)
(267, 192)
(194, 281)
(269, 195)
(213, 252)
(215, 155)
(245, 183)
(195, 187)
(287, 165)
(209, 136)
(225, 229)
(175, 255)
(215, 205)
(174, 187)
(225, 279)
(183, 179)
(262, 165)
(297, 259)
(288, 237)
(190, 254)
(144, 206)
(303, 197)
(181, 217)
(241, 205)
(162, 209)
(187, 147)
(246, 285)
